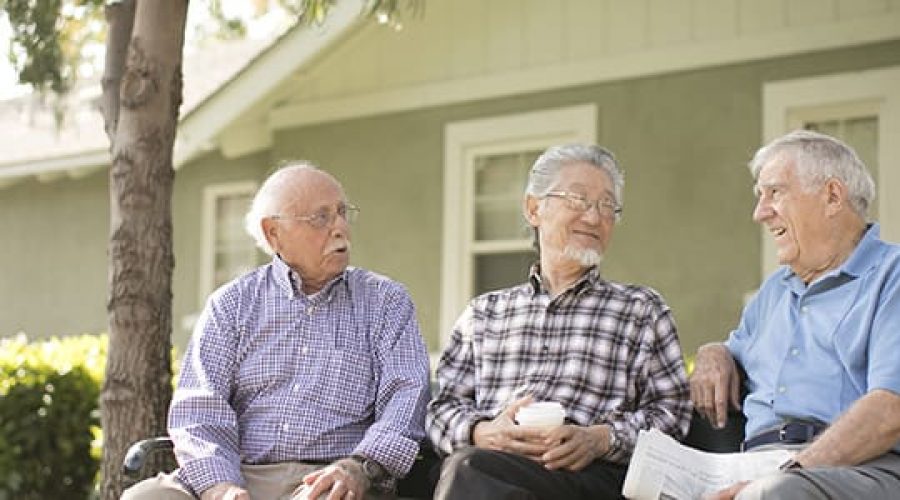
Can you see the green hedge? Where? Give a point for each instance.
(49, 416)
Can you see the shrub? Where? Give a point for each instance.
(49, 417)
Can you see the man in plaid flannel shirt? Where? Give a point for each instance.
(608, 352)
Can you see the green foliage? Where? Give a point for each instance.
(53, 39)
(49, 417)
(49, 38)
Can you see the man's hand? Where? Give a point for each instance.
(574, 446)
(715, 383)
(225, 491)
(343, 479)
(502, 433)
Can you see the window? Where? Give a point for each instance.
(862, 109)
(487, 243)
(227, 249)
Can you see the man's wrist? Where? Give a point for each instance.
(475, 423)
(375, 473)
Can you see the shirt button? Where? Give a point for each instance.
(782, 389)
(286, 427)
(804, 309)
(304, 350)
(795, 351)
(296, 387)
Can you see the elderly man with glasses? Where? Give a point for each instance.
(607, 352)
(304, 377)
(820, 342)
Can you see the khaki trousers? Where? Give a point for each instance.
(282, 481)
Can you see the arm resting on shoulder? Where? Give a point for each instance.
(870, 428)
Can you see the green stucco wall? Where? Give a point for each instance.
(682, 138)
(53, 239)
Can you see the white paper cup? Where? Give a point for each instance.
(541, 414)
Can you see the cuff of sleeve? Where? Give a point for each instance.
(202, 474)
(470, 431)
(395, 452)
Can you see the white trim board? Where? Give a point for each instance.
(211, 195)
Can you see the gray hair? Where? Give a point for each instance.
(817, 158)
(545, 174)
(269, 200)
(545, 171)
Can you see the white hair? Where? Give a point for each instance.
(269, 200)
(817, 158)
(545, 171)
(545, 174)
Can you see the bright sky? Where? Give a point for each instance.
(267, 26)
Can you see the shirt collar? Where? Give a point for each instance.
(292, 284)
(863, 257)
(591, 278)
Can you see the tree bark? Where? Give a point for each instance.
(137, 389)
(120, 22)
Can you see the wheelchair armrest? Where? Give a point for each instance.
(703, 436)
(137, 454)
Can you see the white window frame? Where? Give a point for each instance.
(211, 195)
(463, 142)
(787, 104)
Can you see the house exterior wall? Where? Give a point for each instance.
(462, 50)
(53, 256)
(53, 246)
(684, 140)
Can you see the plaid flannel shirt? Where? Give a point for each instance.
(608, 352)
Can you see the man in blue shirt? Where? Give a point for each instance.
(820, 342)
(304, 377)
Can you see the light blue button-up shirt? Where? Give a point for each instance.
(811, 351)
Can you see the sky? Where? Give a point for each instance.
(267, 26)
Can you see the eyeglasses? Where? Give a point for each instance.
(325, 217)
(607, 209)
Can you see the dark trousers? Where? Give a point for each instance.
(475, 474)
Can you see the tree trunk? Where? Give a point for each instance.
(137, 389)
(120, 22)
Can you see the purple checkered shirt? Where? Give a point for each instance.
(272, 375)
(608, 352)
